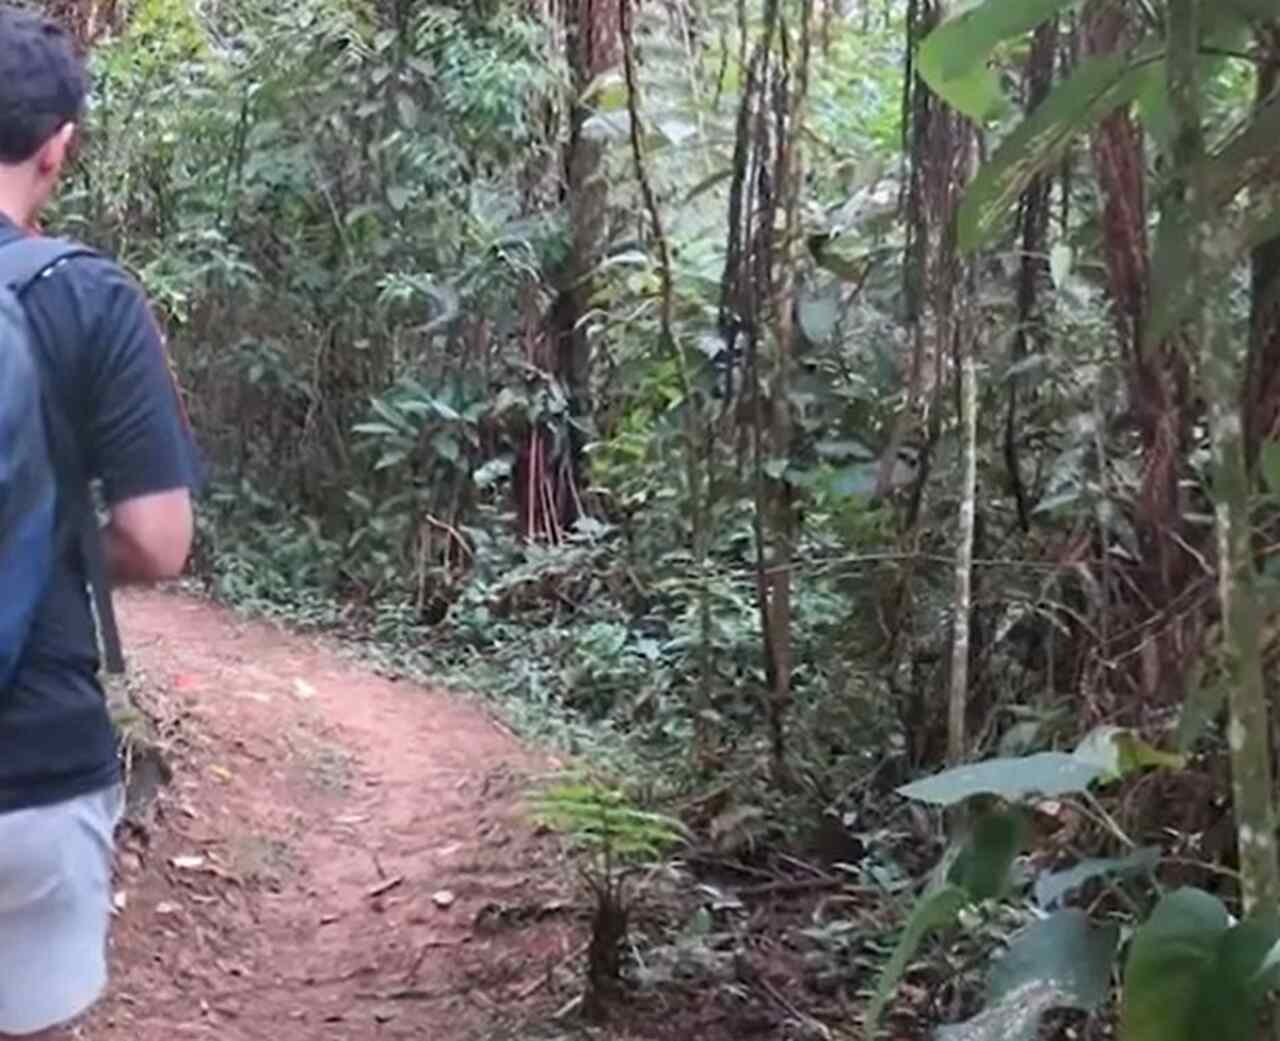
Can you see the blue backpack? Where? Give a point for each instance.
(46, 503)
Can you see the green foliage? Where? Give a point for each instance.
(1193, 973)
(1190, 971)
(954, 59)
(937, 908)
(1059, 962)
(355, 230)
(1095, 88)
(598, 818)
(1052, 887)
(1048, 774)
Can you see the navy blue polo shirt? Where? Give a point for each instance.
(108, 362)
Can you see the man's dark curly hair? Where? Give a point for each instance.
(42, 82)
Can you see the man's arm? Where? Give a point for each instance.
(142, 447)
(148, 537)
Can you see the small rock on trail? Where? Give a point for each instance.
(287, 882)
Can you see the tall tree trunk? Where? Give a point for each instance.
(1262, 378)
(550, 469)
(592, 36)
(1158, 378)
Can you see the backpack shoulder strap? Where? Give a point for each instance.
(26, 259)
(22, 262)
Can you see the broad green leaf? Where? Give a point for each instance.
(995, 839)
(935, 909)
(408, 111)
(1192, 974)
(1119, 752)
(859, 479)
(774, 468)
(843, 448)
(1248, 966)
(1051, 887)
(1171, 957)
(818, 316)
(1046, 774)
(445, 447)
(976, 94)
(1098, 86)
(1058, 962)
(953, 58)
(398, 197)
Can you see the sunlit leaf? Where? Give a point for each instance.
(1060, 259)
(1045, 774)
(1119, 752)
(398, 197)
(859, 479)
(843, 448)
(818, 316)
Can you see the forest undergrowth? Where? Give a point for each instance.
(844, 430)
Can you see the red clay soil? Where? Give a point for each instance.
(337, 856)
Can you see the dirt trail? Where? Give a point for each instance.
(337, 856)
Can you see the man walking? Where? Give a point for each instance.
(60, 781)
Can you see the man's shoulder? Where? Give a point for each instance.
(83, 289)
(90, 269)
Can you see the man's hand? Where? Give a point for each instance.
(148, 538)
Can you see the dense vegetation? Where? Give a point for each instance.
(774, 401)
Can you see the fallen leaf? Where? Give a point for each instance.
(221, 773)
(188, 863)
(443, 898)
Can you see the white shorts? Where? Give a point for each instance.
(55, 907)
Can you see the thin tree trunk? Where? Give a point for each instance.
(1248, 731)
(958, 702)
